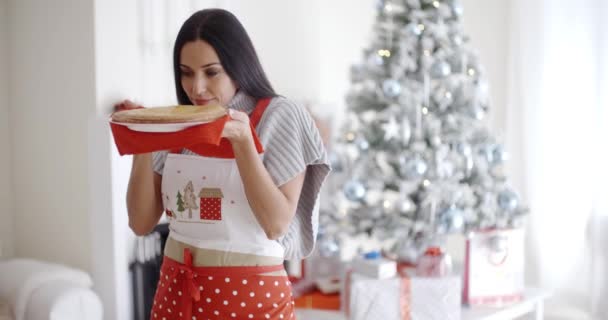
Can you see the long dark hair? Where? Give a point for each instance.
(223, 31)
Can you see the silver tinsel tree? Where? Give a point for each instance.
(415, 160)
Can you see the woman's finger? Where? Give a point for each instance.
(126, 105)
(238, 116)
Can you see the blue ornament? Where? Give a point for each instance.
(499, 155)
(440, 69)
(457, 8)
(328, 247)
(415, 168)
(507, 200)
(354, 190)
(451, 219)
(413, 29)
(391, 88)
(362, 143)
(337, 164)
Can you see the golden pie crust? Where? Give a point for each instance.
(171, 114)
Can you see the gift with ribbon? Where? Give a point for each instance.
(404, 298)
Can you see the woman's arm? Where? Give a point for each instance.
(144, 202)
(274, 207)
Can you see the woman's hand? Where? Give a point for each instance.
(126, 105)
(237, 129)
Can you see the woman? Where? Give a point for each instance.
(233, 220)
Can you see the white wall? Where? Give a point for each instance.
(52, 91)
(487, 24)
(118, 75)
(286, 37)
(6, 214)
(346, 29)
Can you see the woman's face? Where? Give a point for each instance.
(202, 76)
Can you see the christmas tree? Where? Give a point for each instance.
(180, 202)
(190, 199)
(415, 159)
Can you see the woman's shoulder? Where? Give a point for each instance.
(285, 109)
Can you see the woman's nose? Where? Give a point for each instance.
(199, 86)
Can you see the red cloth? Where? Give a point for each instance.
(185, 291)
(204, 139)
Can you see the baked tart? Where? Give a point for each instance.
(171, 114)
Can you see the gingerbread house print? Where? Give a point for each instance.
(211, 203)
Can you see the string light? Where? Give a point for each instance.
(384, 53)
(387, 204)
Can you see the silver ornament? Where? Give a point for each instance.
(464, 148)
(362, 143)
(435, 141)
(337, 164)
(354, 190)
(413, 29)
(451, 219)
(328, 247)
(476, 111)
(507, 200)
(456, 7)
(440, 69)
(414, 168)
(499, 155)
(391, 88)
(486, 152)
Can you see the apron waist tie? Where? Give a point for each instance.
(186, 268)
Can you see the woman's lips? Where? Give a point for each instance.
(202, 102)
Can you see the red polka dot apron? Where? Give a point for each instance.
(200, 293)
(205, 202)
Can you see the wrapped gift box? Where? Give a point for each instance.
(494, 267)
(401, 298)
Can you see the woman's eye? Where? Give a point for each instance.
(186, 73)
(211, 73)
